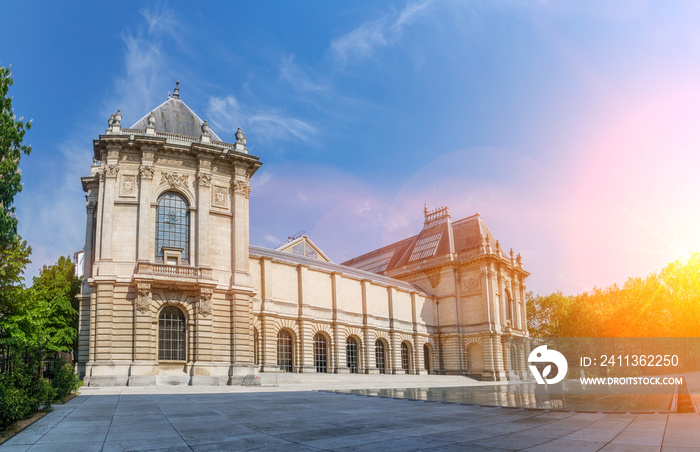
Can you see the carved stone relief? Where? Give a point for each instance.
(204, 304)
(204, 179)
(434, 277)
(470, 284)
(219, 197)
(111, 170)
(175, 180)
(128, 185)
(242, 187)
(143, 300)
(146, 171)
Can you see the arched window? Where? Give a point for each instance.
(284, 351)
(380, 355)
(426, 357)
(172, 229)
(172, 334)
(351, 355)
(405, 361)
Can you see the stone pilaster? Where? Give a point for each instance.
(240, 233)
(394, 345)
(203, 204)
(111, 169)
(146, 223)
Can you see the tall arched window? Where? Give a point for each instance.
(320, 353)
(284, 351)
(351, 355)
(380, 356)
(172, 229)
(172, 334)
(405, 361)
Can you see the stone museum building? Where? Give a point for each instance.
(174, 293)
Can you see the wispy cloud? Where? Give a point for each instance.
(146, 64)
(227, 114)
(376, 33)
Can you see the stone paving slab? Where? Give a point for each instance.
(279, 418)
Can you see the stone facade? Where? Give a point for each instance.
(173, 292)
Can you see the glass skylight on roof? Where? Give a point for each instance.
(425, 247)
(377, 263)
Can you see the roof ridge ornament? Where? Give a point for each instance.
(176, 91)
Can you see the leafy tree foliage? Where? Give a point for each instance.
(11, 148)
(666, 304)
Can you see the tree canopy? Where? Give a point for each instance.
(664, 304)
(12, 133)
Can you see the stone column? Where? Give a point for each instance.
(146, 224)
(394, 347)
(335, 340)
(365, 355)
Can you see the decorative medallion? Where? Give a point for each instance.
(470, 284)
(128, 187)
(219, 196)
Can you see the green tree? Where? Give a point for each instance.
(11, 148)
(46, 320)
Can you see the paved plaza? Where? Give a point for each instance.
(293, 417)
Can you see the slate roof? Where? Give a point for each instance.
(437, 238)
(174, 116)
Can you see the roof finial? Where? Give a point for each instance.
(176, 91)
(240, 137)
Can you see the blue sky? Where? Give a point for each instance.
(570, 126)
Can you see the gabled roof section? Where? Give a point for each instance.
(257, 252)
(174, 116)
(303, 246)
